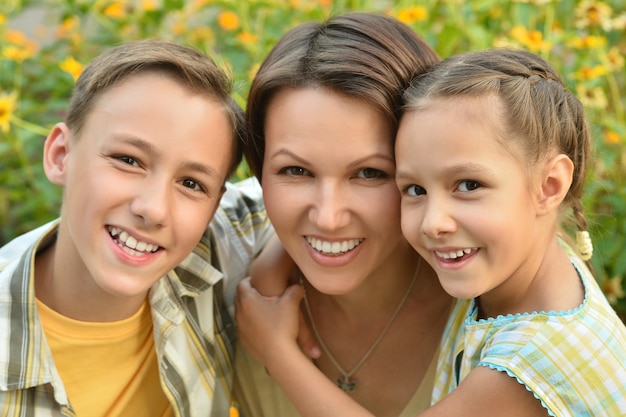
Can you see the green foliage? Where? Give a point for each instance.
(584, 39)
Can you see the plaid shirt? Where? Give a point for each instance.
(192, 312)
(573, 361)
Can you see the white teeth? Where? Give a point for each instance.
(130, 244)
(454, 255)
(334, 248)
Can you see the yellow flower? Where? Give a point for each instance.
(13, 53)
(615, 59)
(228, 20)
(66, 27)
(590, 73)
(413, 14)
(3, 19)
(72, 67)
(503, 42)
(16, 37)
(8, 102)
(613, 289)
(611, 137)
(588, 42)
(19, 47)
(593, 98)
(531, 39)
(247, 38)
(149, 5)
(326, 3)
(619, 23)
(233, 412)
(591, 13)
(115, 10)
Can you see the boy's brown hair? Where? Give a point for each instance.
(188, 67)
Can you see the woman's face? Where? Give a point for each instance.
(329, 186)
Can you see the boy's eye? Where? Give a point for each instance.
(468, 185)
(371, 173)
(128, 160)
(192, 184)
(414, 190)
(294, 171)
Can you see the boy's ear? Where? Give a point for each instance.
(56, 150)
(555, 183)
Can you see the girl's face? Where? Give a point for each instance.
(329, 186)
(467, 207)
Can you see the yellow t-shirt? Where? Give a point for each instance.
(108, 369)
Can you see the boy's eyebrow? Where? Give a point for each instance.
(151, 150)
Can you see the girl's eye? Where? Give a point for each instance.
(129, 160)
(371, 174)
(414, 190)
(294, 171)
(468, 185)
(192, 184)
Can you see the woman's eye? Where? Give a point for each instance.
(129, 160)
(468, 185)
(371, 173)
(414, 190)
(192, 184)
(294, 171)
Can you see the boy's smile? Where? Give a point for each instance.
(130, 244)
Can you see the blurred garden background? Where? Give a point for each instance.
(44, 45)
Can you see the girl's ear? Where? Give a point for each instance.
(56, 151)
(555, 183)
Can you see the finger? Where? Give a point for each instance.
(293, 294)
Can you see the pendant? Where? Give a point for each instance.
(345, 384)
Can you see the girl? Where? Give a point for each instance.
(491, 152)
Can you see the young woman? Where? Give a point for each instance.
(491, 152)
(323, 112)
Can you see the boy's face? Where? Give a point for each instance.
(141, 184)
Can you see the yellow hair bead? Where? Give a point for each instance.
(584, 245)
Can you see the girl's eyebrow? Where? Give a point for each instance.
(469, 167)
(465, 168)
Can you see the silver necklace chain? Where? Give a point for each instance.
(344, 382)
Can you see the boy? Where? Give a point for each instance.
(97, 322)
